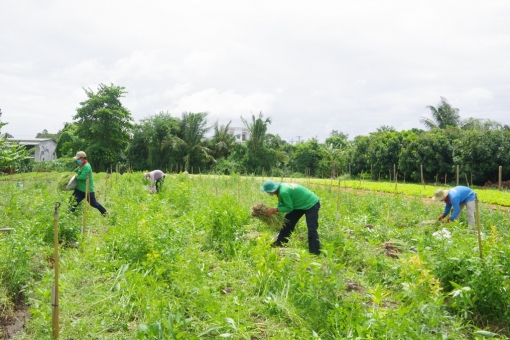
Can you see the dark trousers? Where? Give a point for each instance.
(159, 183)
(312, 222)
(79, 196)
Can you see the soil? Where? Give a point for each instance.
(13, 323)
(490, 185)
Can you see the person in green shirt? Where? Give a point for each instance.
(83, 170)
(295, 201)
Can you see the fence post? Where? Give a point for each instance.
(85, 205)
(478, 226)
(54, 288)
(500, 177)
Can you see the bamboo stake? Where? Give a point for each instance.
(500, 176)
(106, 185)
(421, 174)
(85, 205)
(338, 200)
(54, 288)
(458, 175)
(478, 226)
(396, 181)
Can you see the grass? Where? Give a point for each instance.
(191, 263)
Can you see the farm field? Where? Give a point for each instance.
(191, 263)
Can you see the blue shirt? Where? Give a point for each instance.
(458, 195)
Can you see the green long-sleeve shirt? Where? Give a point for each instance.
(293, 196)
(82, 172)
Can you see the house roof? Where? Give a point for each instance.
(31, 141)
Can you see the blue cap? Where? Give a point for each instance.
(270, 186)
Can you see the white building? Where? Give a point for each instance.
(44, 149)
(241, 134)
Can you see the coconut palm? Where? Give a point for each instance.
(222, 140)
(257, 128)
(190, 139)
(480, 124)
(333, 157)
(442, 116)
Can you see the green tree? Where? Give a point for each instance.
(68, 142)
(480, 153)
(258, 129)
(138, 149)
(338, 140)
(153, 135)
(46, 134)
(480, 124)
(357, 155)
(332, 159)
(432, 151)
(442, 116)
(306, 157)
(222, 141)
(11, 154)
(259, 158)
(105, 125)
(190, 141)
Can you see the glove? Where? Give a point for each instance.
(448, 220)
(441, 217)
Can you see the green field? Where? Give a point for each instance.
(190, 263)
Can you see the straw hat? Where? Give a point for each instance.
(440, 195)
(80, 154)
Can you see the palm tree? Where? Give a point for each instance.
(222, 140)
(257, 128)
(480, 124)
(333, 157)
(442, 116)
(190, 139)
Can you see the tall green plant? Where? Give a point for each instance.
(104, 124)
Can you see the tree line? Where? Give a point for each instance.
(105, 130)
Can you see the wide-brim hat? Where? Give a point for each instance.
(80, 154)
(270, 186)
(440, 195)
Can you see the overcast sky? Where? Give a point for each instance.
(310, 66)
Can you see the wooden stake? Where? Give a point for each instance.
(54, 288)
(338, 200)
(478, 227)
(396, 181)
(421, 174)
(458, 175)
(500, 176)
(85, 205)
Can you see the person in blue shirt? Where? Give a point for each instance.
(456, 199)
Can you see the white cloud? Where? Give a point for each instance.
(310, 66)
(478, 94)
(226, 105)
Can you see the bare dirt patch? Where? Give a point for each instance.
(13, 323)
